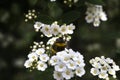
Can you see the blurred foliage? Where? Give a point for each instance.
(16, 36)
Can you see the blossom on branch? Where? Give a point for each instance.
(66, 65)
(103, 67)
(94, 14)
(54, 29)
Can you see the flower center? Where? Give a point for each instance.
(46, 29)
(67, 72)
(71, 65)
(61, 66)
(41, 65)
(55, 60)
(55, 30)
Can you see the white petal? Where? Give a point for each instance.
(96, 23)
(89, 18)
(80, 71)
(103, 16)
(94, 71)
(28, 63)
(57, 75)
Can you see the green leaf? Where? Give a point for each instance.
(32, 2)
(70, 17)
(80, 3)
(38, 75)
(54, 10)
(45, 19)
(98, 2)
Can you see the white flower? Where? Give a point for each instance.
(68, 38)
(60, 67)
(51, 40)
(57, 75)
(76, 56)
(92, 61)
(71, 65)
(111, 71)
(96, 22)
(96, 65)
(63, 29)
(41, 66)
(64, 63)
(46, 30)
(40, 51)
(70, 27)
(79, 56)
(108, 60)
(55, 28)
(44, 57)
(94, 14)
(103, 57)
(68, 74)
(33, 56)
(38, 25)
(107, 78)
(114, 76)
(94, 71)
(116, 67)
(80, 71)
(61, 53)
(28, 63)
(73, 54)
(80, 62)
(54, 60)
(103, 67)
(103, 75)
(65, 58)
(103, 16)
(89, 18)
(102, 61)
(97, 59)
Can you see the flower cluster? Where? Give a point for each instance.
(59, 35)
(67, 63)
(54, 29)
(37, 60)
(30, 15)
(94, 14)
(104, 66)
(70, 2)
(67, 2)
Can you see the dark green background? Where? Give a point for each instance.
(16, 36)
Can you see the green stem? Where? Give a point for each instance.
(75, 77)
(98, 79)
